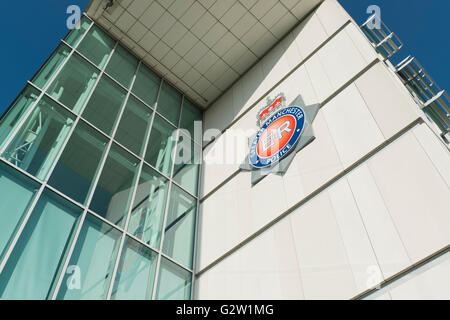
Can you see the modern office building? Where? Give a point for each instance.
(348, 197)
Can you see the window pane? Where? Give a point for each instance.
(31, 269)
(169, 103)
(92, 262)
(136, 272)
(174, 282)
(189, 115)
(160, 145)
(104, 105)
(16, 112)
(74, 36)
(146, 85)
(113, 193)
(51, 66)
(148, 207)
(187, 164)
(74, 83)
(96, 46)
(122, 66)
(13, 185)
(133, 125)
(35, 146)
(76, 168)
(180, 225)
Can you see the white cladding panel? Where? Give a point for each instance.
(367, 205)
(362, 229)
(429, 281)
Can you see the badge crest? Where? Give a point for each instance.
(284, 130)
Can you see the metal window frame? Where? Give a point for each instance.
(43, 184)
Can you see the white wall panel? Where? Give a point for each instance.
(291, 51)
(220, 113)
(214, 236)
(352, 126)
(248, 89)
(415, 194)
(361, 42)
(435, 150)
(237, 211)
(311, 168)
(319, 79)
(386, 214)
(263, 269)
(430, 281)
(332, 16)
(386, 242)
(299, 83)
(359, 248)
(341, 59)
(309, 35)
(325, 269)
(275, 65)
(215, 169)
(391, 108)
(314, 165)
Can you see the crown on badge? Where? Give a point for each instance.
(272, 105)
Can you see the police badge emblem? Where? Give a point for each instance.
(284, 131)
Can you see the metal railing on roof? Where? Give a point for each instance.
(384, 40)
(433, 100)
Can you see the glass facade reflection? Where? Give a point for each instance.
(101, 210)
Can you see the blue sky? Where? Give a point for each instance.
(423, 27)
(29, 30)
(32, 29)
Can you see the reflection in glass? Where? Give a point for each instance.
(135, 273)
(187, 164)
(51, 66)
(113, 192)
(160, 145)
(146, 85)
(74, 83)
(174, 282)
(147, 212)
(189, 115)
(92, 262)
(169, 103)
(122, 66)
(35, 146)
(78, 164)
(16, 112)
(32, 268)
(133, 125)
(96, 46)
(13, 185)
(104, 105)
(180, 225)
(75, 34)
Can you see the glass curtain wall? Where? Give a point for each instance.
(93, 202)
